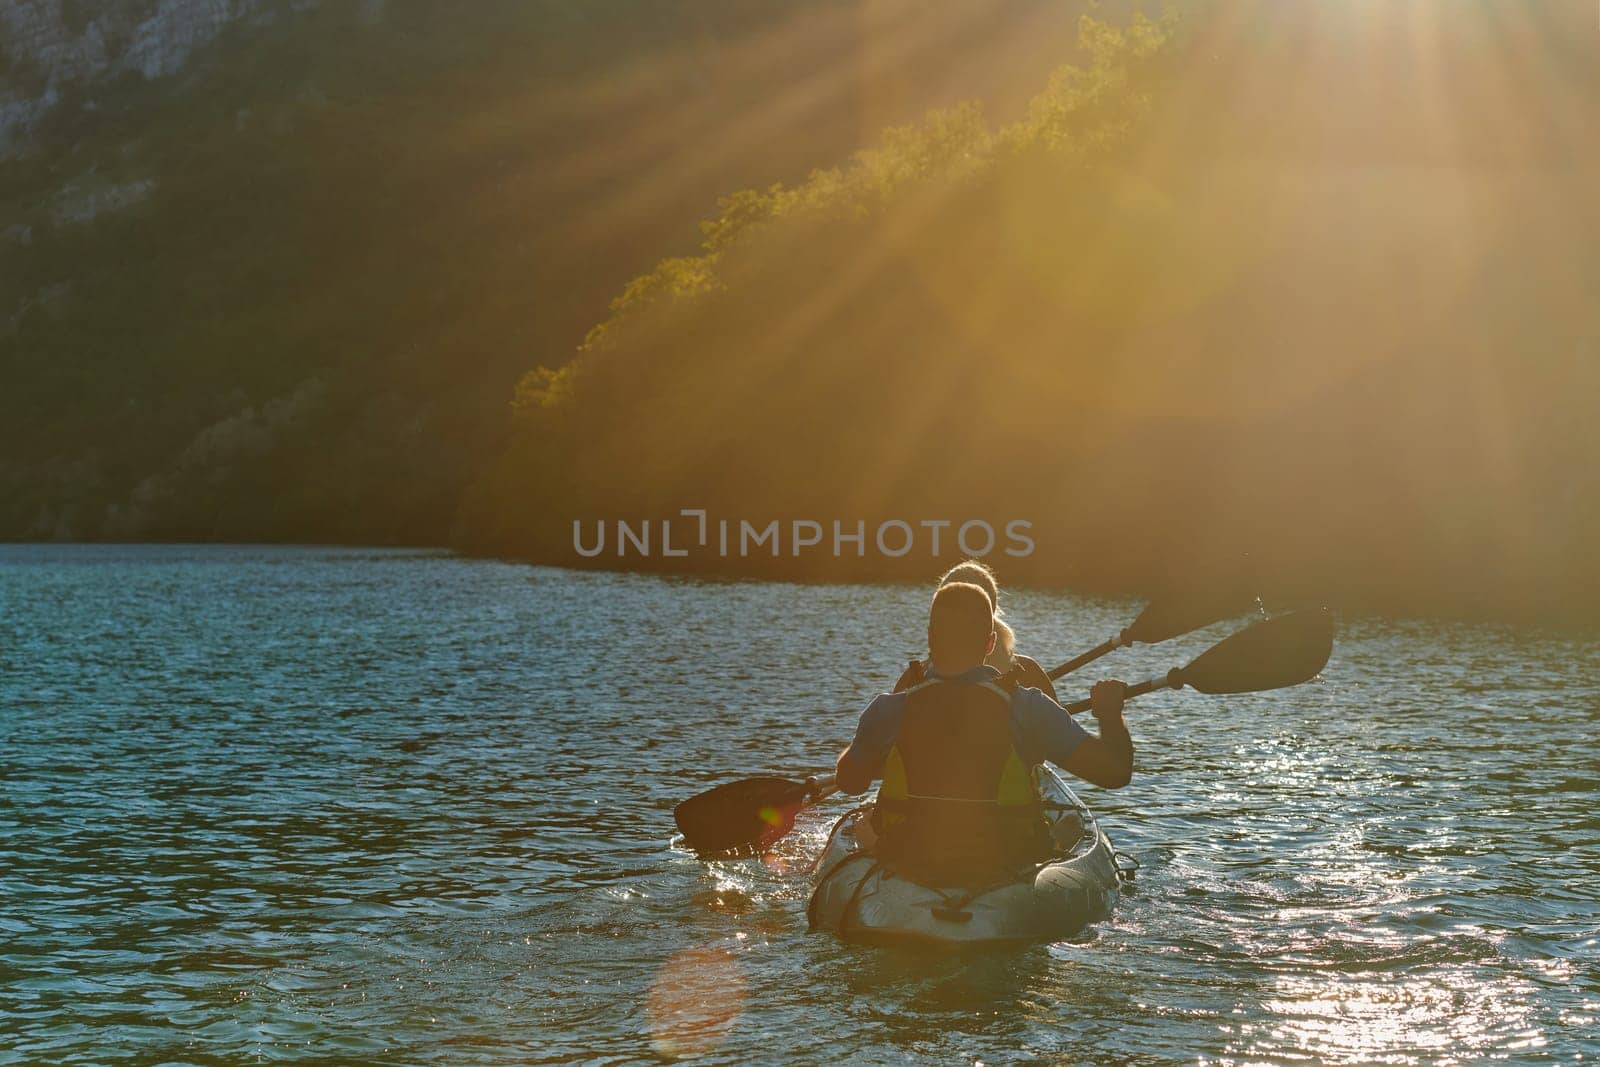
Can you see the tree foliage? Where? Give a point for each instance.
(1157, 318)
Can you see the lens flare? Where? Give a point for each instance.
(694, 1002)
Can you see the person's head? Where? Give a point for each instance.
(974, 573)
(960, 627)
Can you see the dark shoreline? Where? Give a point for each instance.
(918, 573)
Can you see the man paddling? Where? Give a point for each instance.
(956, 753)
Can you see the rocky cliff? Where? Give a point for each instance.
(272, 268)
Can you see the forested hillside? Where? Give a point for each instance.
(1313, 282)
(284, 291)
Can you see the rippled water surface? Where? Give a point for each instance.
(390, 807)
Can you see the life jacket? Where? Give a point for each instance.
(957, 802)
(916, 673)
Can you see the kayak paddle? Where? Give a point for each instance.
(1273, 654)
(1167, 617)
(749, 814)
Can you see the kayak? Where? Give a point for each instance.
(859, 898)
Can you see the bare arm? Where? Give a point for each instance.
(1107, 760)
(849, 777)
(1029, 673)
(863, 760)
(913, 674)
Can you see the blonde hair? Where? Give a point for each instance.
(981, 575)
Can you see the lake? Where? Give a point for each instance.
(301, 804)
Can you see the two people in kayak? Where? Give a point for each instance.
(956, 749)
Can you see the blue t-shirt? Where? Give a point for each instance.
(1041, 729)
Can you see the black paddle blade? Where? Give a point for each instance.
(748, 814)
(1273, 654)
(1176, 613)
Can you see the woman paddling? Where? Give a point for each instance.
(1005, 657)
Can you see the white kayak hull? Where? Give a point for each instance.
(859, 899)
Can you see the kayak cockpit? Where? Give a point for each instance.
(860, 896)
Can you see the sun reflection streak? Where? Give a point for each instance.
(1413, 1019)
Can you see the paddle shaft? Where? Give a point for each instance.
(1102, 649)
(1138, 689)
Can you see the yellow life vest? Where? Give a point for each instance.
(957, 802)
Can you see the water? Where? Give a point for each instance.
(264, 805)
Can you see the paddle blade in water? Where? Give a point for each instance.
(748, 814)
(1278, 652)
(1176, 613)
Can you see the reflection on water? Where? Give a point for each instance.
(695, 1001)
(269, 804)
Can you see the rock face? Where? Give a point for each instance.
(55, 50)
